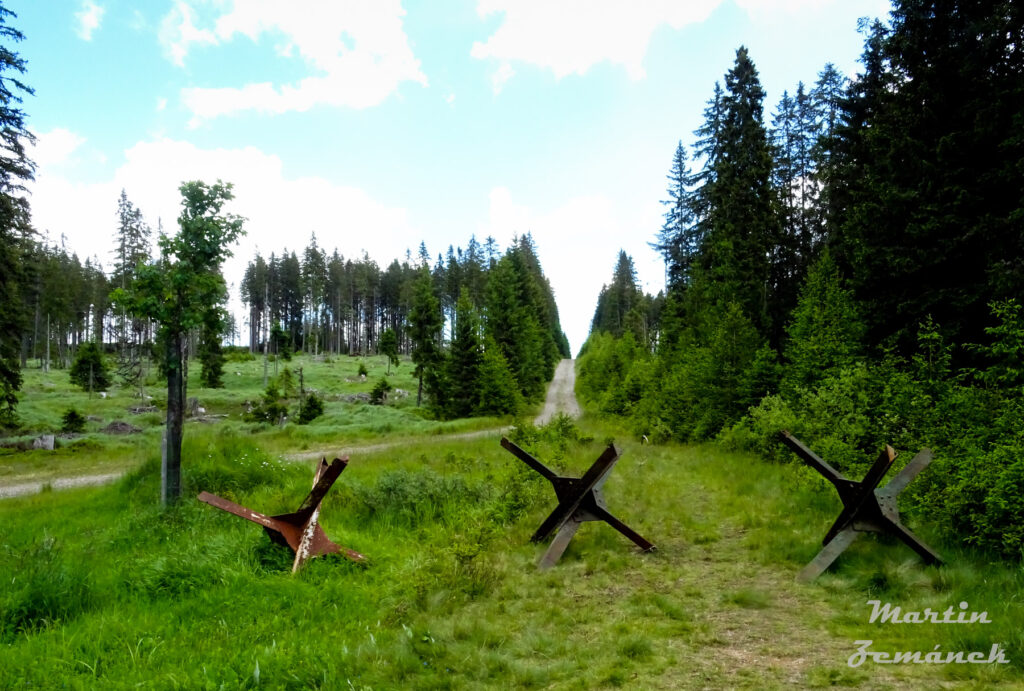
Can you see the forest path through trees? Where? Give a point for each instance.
(561, 397)
(561, 394)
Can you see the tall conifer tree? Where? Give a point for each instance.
(15, 170)
(465, 359)
(925, 186)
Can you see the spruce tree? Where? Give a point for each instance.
(825, 333)
(255, 290)
(211, 354)
(743, 223)
(678, 241)
(89, 370)
(15, 226)
(473, 272)
(388, 347)
(133, 246)
(425, 324)
(314, 283)
(708, 150)
(620, 301)
(465, 359)
(925, 184)
(513, 325)
(498, 391)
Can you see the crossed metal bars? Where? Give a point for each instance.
(579, 500)
(301, 529)
(865, 508)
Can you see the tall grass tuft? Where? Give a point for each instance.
(44, 588)
(412, 497)
(229, 464)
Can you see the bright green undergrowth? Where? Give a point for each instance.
(103, 589)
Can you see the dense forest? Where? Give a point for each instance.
(478, 320)
(848, 269)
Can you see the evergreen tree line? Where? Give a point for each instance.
(481, 325)
(319, 304)
(315, 302)
(67, 301)
(850, 271)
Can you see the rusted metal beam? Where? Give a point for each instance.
(866, 507)
(579, 500)
(300, 530)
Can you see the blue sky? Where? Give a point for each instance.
(381, 123)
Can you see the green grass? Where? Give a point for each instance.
(45, 396)
(102, 589)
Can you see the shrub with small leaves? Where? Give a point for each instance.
(363, 372)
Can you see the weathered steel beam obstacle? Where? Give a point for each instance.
(300, 530)
(865, 507)
(579, 500)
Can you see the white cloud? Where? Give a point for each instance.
(500, 76)
(280, 211)
(88, 19)
(774, 12)
(571, 36)
(54, 148)
(178, 32)
(577, 243)
(357, 51)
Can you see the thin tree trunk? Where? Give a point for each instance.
(170, 472)
(35, 335)
(266, 336)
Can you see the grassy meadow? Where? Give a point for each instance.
(45, 396)
(103, 589)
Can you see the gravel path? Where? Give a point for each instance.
(58, 483)
(561, 393)
(331, 452)
(560, 398)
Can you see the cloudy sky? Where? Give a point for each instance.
(376, 124)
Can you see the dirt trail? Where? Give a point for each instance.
(58, 483)
(332, 451)
(560, 398)
(561, 394)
